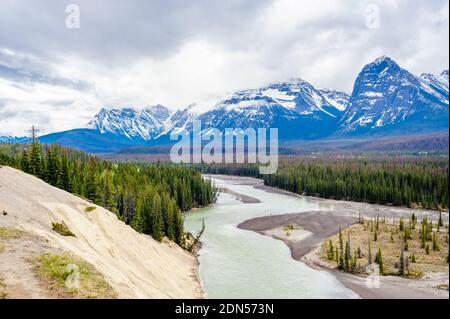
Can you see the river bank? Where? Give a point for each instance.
(247, 209)
(233, 262)
(307, 232)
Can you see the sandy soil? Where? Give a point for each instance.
(240, 197)
(389, 287)
(135, 265)
(321, 225)
(295, 235)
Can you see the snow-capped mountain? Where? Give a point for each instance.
(294, 107)
(338, 99)
(7, 138)
(387, 98)
(179, 120)
(142, 124)
(296, 95)
(437, 82)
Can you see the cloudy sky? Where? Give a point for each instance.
(174, 52)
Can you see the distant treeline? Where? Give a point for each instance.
(404, 181)
(149, 197)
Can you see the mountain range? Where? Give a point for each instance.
(387, 100)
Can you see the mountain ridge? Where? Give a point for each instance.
(386, 100)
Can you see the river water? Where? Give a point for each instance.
(236, 263)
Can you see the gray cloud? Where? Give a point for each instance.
(110, 29)
(179, 52)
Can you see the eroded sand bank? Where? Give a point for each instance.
(135, 265)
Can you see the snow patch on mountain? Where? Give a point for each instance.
(384, 94)
(130, 122)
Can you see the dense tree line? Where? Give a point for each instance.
(404, 181)
(149, 197)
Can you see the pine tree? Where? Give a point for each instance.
(138, 222)
(346, 258)
(359, 252)
(341, 251)
(380, 262)
(430, 231)
(35, 164)
(435, 242)
(65, 176)
(53, 169)
(330, 255)
(92, 188)
(401, 267)
(348, 239)
(369, 254)
(156, 224)
(354, 262)
(107, 193)
(422, 236)
(407, 265)
(401, 225)
(24, 162)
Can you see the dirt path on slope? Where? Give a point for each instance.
(16, 268)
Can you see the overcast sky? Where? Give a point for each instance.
(175, 53)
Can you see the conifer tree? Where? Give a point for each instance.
(359, 252)
(380, 262)
(53, 165)
(401, 267)
(423, 236)
(92, 191)
(435, 242)
(407, 265)
(401, 225)
(354, 262)
(341, 251)
(24, 162)
(156, 224)
(65, 176)
(138, 222)
(35, 164)
(330, 255)
(346, 258)
(348, 239)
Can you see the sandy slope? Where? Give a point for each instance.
(135, 265)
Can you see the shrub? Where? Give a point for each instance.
(89, 209)
(62, 229)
